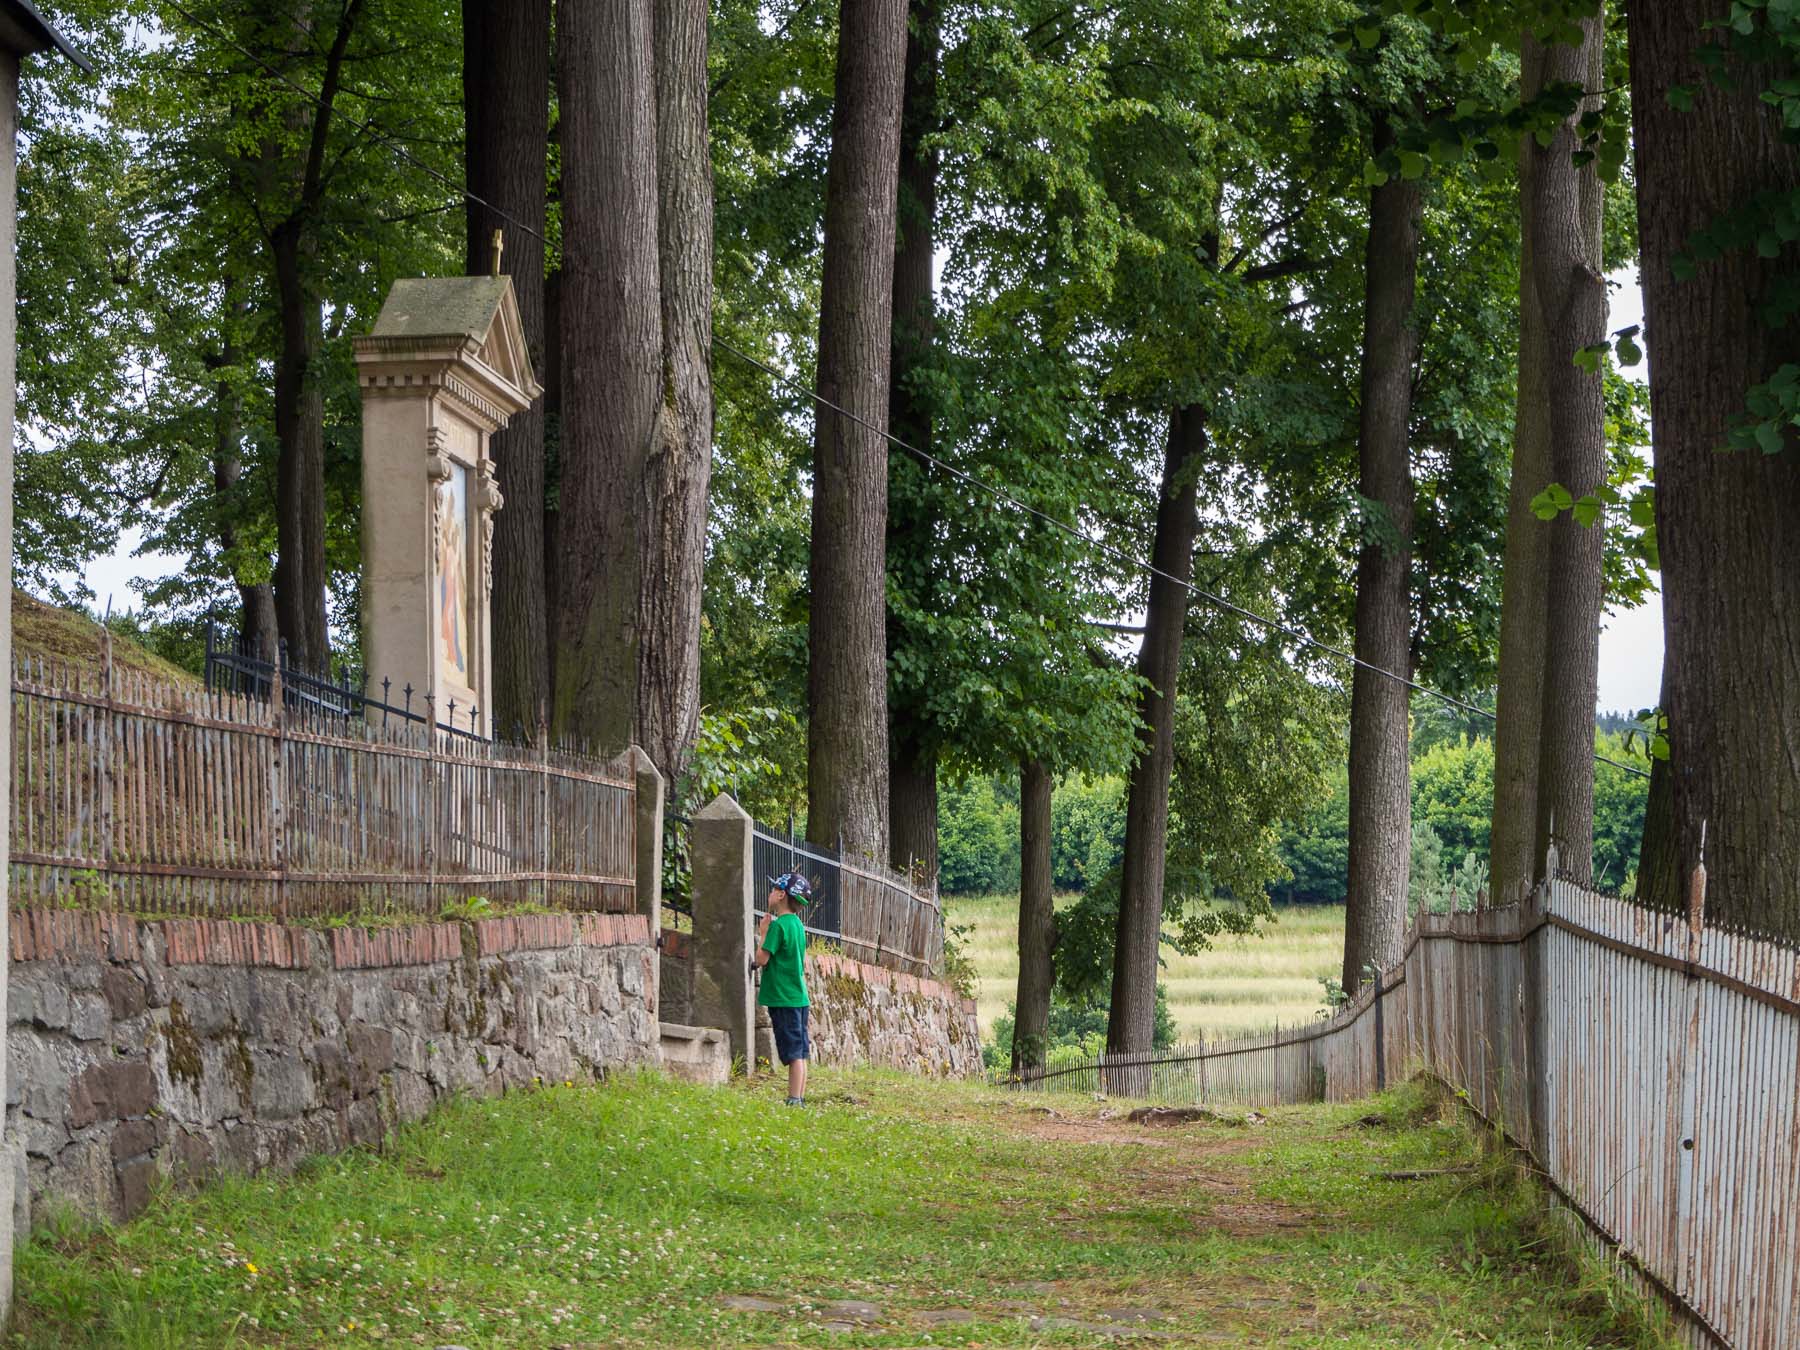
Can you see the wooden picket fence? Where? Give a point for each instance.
(147, 796)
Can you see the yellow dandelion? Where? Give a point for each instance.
(250, 1266)
(568, 1082)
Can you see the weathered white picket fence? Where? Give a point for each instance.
(1649, 1064)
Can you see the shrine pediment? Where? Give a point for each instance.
(464, 332)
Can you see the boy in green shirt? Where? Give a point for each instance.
(780, 954)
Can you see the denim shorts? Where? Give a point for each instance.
(790, 1033)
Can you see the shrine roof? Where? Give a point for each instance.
(440, 307)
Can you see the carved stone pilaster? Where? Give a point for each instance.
(488, 501)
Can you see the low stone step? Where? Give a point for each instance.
(696, 1054)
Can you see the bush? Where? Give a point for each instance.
(1087, 830)
(978, 839)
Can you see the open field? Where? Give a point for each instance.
(1242, 985)
(648, 1212)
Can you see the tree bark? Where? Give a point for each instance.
(847, 735)
(1037, 920)
(913, 813)
(674, 492)
(1660, 884)
(300, 570)
(300, 466)
(612, 363)
(1728, 522)
(258, 628)
(913, 750)
(1515, 859)
(1131, 1021)
(506, 105)
(1570, 298)
(1380, 832)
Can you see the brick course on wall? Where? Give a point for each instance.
(142, 1050)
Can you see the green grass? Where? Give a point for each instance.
(621, 1216)
(1242, 985)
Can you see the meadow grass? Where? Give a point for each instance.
(1241, 985)
(625, 1214)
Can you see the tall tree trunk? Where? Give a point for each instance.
(506, 105)
(1131, 1021)
(300, 468)
(1515, 859)
(913, 751)
(1037, 920)
(612, 362)
(674, 492)
(1570, 298)
(552, 380)
(847, 734)
(1728, 522)
(1659, 880)
(258, 628)
(913, 810)
(300, 572)
(1380, 796)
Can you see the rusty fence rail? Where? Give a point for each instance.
(152, 797)
(1649, 1065)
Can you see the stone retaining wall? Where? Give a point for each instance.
(862, 1014)
(868, 1015)
(181, 1047)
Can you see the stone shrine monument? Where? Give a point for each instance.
(444, 368)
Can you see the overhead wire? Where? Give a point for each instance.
(998, 493)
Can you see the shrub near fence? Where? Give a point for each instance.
(151, 797)
(1649, 1064)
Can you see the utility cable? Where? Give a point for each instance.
(1136, 564)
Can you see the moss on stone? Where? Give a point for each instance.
(184, 1046)
(240, 1064)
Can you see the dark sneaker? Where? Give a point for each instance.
(795, 1101)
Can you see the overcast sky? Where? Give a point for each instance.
(1631, 642)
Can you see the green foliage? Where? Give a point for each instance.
(1436, 887)
(1453, 794)
(1087, 830)
(958, 969)
(150, 195)
(1452, 806)
(978, 838)
(1626, 501)
(736, 753)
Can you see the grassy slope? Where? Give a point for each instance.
(65, 637)
(622, 1215)
(1242, 985)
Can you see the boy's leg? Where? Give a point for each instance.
(797, 1069)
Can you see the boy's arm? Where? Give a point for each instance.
(764, 932)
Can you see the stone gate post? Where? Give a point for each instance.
(724, 898)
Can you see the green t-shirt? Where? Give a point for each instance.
(784, 977)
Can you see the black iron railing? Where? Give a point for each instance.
(773, 853)
(233, 666)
